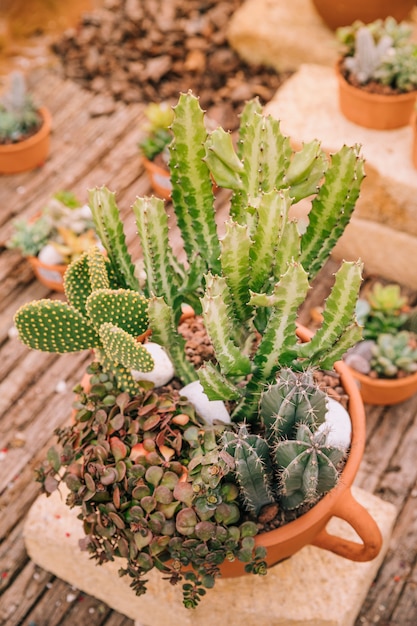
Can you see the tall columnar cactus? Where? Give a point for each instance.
(96, 316)
(256, 276)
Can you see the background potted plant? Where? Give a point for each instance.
(58, 234)
(154, 147)
(385, 363)
(337, 13)
(377, 75)
(24, 129)
(206, 472)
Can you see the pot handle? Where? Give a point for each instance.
(349, 510)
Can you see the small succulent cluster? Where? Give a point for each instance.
(158, 135)
(152, 486)
(19, 115)
(61, 233)
(381, 51)
(394, 355)
(389, 331)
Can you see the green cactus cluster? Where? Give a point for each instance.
(383, 310)
(394, 355)
(95, 317)
(291, 465)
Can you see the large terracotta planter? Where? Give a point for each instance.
(310, 529)
(159, 178)
(51, 276)
(383, 391)
(379, 112)
(414, 139)
(337, 13)
(30, 153)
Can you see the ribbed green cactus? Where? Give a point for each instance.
(308, 468)
(108, 320)
(293, 400)
(292, 466)
(253, 468)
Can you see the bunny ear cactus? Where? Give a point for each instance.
(95, 317)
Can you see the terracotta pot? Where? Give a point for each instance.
(30, 153)
(159, 177)
(51, 276)
(339, 502)
(337, 13)
(414, 139)
(384, 391)
(379, 112)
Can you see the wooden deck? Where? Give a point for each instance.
(35, 388)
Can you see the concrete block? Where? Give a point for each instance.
(314, 587)
(386, 212)
(281, 34)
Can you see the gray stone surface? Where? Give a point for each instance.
(314, 587)
(384, 225)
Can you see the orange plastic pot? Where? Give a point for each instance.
(337, 13)
(376, 111)
(159, 178)
(414, 140)
(30, 153)
(51, 276)
(384, 391)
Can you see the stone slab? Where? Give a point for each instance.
(284, 34)
(313, 588)
(307, 107)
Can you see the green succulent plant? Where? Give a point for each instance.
(380, 51)
(382, 310)
(19, 115)
(247, 285)
(393, 355)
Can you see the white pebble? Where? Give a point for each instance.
(163, 370)
(338, 425)
(12, 333)
(50, 256)
(61, 386)
(209, 410)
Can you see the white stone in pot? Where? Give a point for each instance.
(50, 256)
(163, 370)
(337, 425)
(209, 410)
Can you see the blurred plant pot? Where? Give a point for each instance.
(337, 13)
(310, 528)
(51, 276)
(372, 110)
(414, 139)
(384, 391)
(30, 153)
(159, 178)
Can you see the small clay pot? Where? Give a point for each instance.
(385, 391)
(30, 153)
(337, 13)
(372, 110)
(159, 178)
(51, 276)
